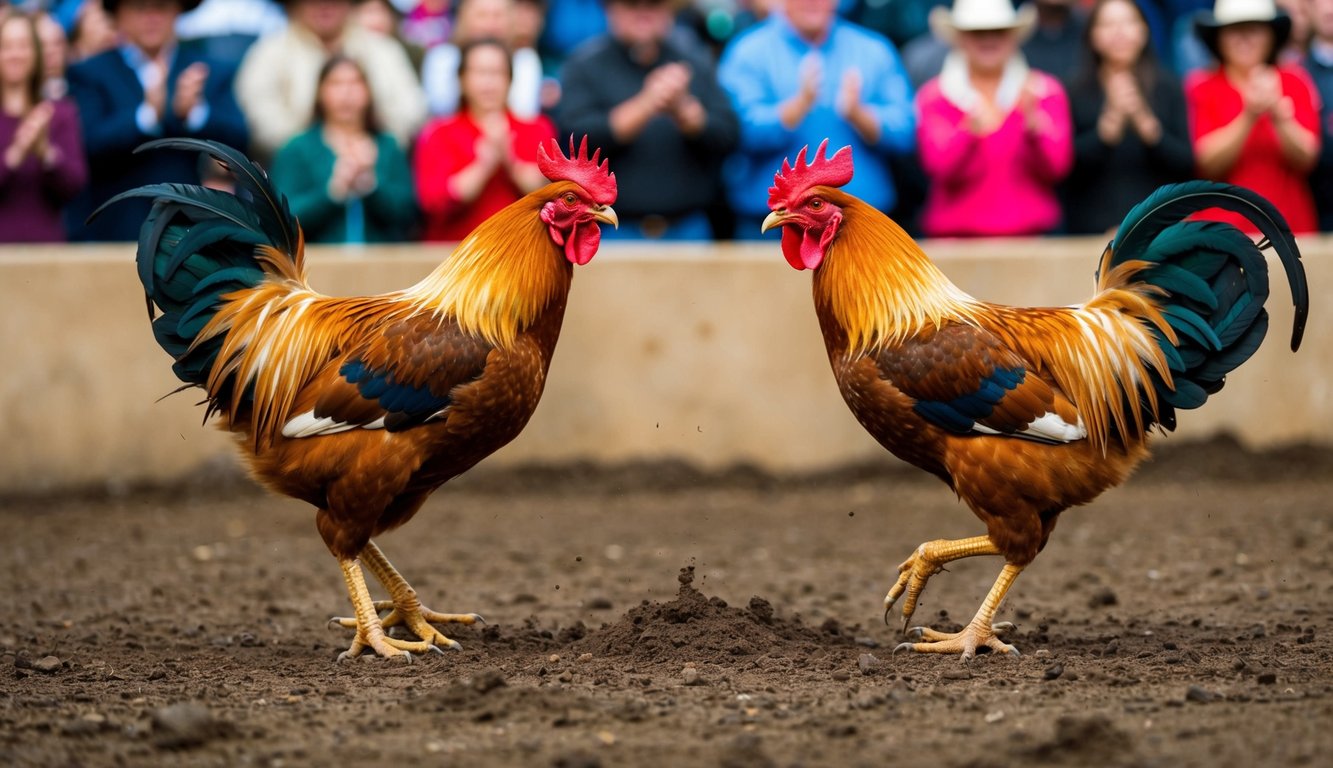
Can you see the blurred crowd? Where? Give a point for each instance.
(393, 120)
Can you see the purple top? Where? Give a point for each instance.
(32, 196)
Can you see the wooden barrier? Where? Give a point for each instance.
(706, 353)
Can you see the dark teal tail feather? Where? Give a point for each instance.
(1216, 281)
(198, 244)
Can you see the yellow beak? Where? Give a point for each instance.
(775, 219)
(607, 215)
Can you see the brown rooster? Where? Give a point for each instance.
(1026, 412)
(364, 406)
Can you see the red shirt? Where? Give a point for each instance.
(447, 146)
(1215, 102)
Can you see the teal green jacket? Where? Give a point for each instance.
(301, 171)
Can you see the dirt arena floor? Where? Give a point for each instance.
(657, 616)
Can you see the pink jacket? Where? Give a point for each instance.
(999, 184)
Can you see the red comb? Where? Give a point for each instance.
(790, 182)
(587, 173)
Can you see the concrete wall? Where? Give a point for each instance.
(705, 353)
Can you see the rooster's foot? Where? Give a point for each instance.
(974, 637)
(418, 621)
(928, 560)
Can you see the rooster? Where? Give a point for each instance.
(364, 406)
(1026, 412)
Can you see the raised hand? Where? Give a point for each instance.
(189, 91)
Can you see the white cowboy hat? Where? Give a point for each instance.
(1228, 12)
(980, 15)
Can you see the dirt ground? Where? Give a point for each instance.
(659, 616)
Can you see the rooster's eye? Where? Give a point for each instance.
(816, 204)
(570, 199)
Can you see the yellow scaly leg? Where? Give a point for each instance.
(404, 606)
(369, 629)
(928, 560)
(979, 632)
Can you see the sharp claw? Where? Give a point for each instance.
(454, 645)
(916, 633)
(477, 618)
(903, 647)
(436, 649)
(887, 611)
(334, 622)
(1004, 626)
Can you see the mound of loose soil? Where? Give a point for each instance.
(694, 626)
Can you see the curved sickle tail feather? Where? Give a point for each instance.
(1211, 280)
(199, 245)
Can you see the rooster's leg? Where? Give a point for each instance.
(405, 607)
(369, 629)
(928, 560)
(980, 632)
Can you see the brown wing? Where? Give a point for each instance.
(965, 380)
(401, 376)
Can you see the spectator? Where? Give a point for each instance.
(55, 55)
(428, 23)
(346, 181)
(384, 19)
(92, 32)
(1130, 130)
(483, 158)
(995, 135)
(277, 81)
(654, 105)
(148, 87)
(1057, 42)
(569, 24)
(42, 166)
(804, 75)
(226, 29)
(479, 20)
(1319, 62)
(1255, 123)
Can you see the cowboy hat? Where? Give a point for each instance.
(981, 15)
(1228, 12)
(110, 6)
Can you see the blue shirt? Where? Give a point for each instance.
(763, 68)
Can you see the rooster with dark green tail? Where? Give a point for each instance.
(363, 406)
(1027, 412)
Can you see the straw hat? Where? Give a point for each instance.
(1228, 12)
(981, 15)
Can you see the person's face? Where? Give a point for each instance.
(485, 79)
(147, 24)
(1321, 19)
(1245, 45)
(54, 46)
(811, 18)
(1118, 33)
(344, 95)
(18, 55)
(988, 49)
(528, 21)
(478, 19)
(639, 22)
(375, 16)
(326, 19)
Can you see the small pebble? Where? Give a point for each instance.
(957, 673)
(47, 664)
(1201, 695)
(994, 717)
(841, 675)
(1053, 671)
(867, 663)
(689, 676)
(1266, 678)
(186, 724)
